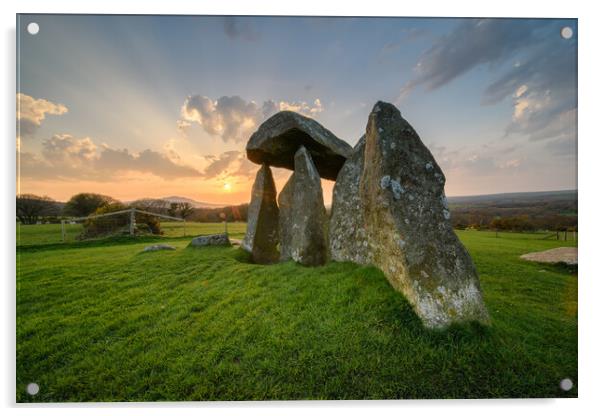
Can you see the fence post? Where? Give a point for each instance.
(132, 221)
(63, 231)
(184, 228)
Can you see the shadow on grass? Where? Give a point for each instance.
(397, 309)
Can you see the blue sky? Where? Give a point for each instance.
(136, 106)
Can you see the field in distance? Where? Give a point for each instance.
(103, 321)
(51, 233)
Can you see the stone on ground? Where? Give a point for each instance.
(261, 239)
(404, 215)
(285, 228)
(565, 255)
(279, 137)
(157, 247)
(308, 221)
(211, 240)
(347, 234)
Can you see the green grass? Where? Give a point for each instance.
(51, 233)
(105, 322)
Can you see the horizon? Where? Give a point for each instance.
(221, 204)
(147, 106)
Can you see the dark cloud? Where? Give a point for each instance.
(403, 37)
(474, 42)
(240, 28)
(536, 66)
(563, 148)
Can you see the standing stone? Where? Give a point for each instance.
(261, 239)
(285, 204)
(347, 234)
(404, 214)
(304, 226)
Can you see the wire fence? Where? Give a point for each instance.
(131, 221)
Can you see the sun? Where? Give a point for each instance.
(227, 187)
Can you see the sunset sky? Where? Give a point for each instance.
(150, 106)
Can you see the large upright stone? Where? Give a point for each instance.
(261, 239)
(285, 205)
(279, 137)
(347, 234)
(405, 219)
(303, 225)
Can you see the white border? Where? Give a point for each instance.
(590, 151)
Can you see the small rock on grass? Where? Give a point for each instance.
(211, 240)
(157, 247)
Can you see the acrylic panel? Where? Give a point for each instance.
(295, 208)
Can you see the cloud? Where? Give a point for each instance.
(233, 118)
(311, 110)
(536, 69)
(239, 28)
(483, 160)
(224, 164)
(543, 89)
(232, 163)
(474, 42)
(404, 37)
(32, 111)
(65, 148)
(66, 157)
(563, 148)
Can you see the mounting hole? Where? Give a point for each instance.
(33, 389)
(33, 28)
(566, 32)
(566, 384)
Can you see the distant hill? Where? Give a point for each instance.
(194, 203)
(552, 210)
(515, 198)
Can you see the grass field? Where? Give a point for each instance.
(51, 233)
(103, 321)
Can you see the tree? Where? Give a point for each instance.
(173, 209)
(186, 209)
(30, 207)
(84, 204)
(159, 206)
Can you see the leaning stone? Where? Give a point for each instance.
(157, 247)
(285, 228)
(308, 220)
(261, 239)
(211, 240)
(279, 137)
(406, 219)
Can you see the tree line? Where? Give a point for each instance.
(32, 209)
(551, 215)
